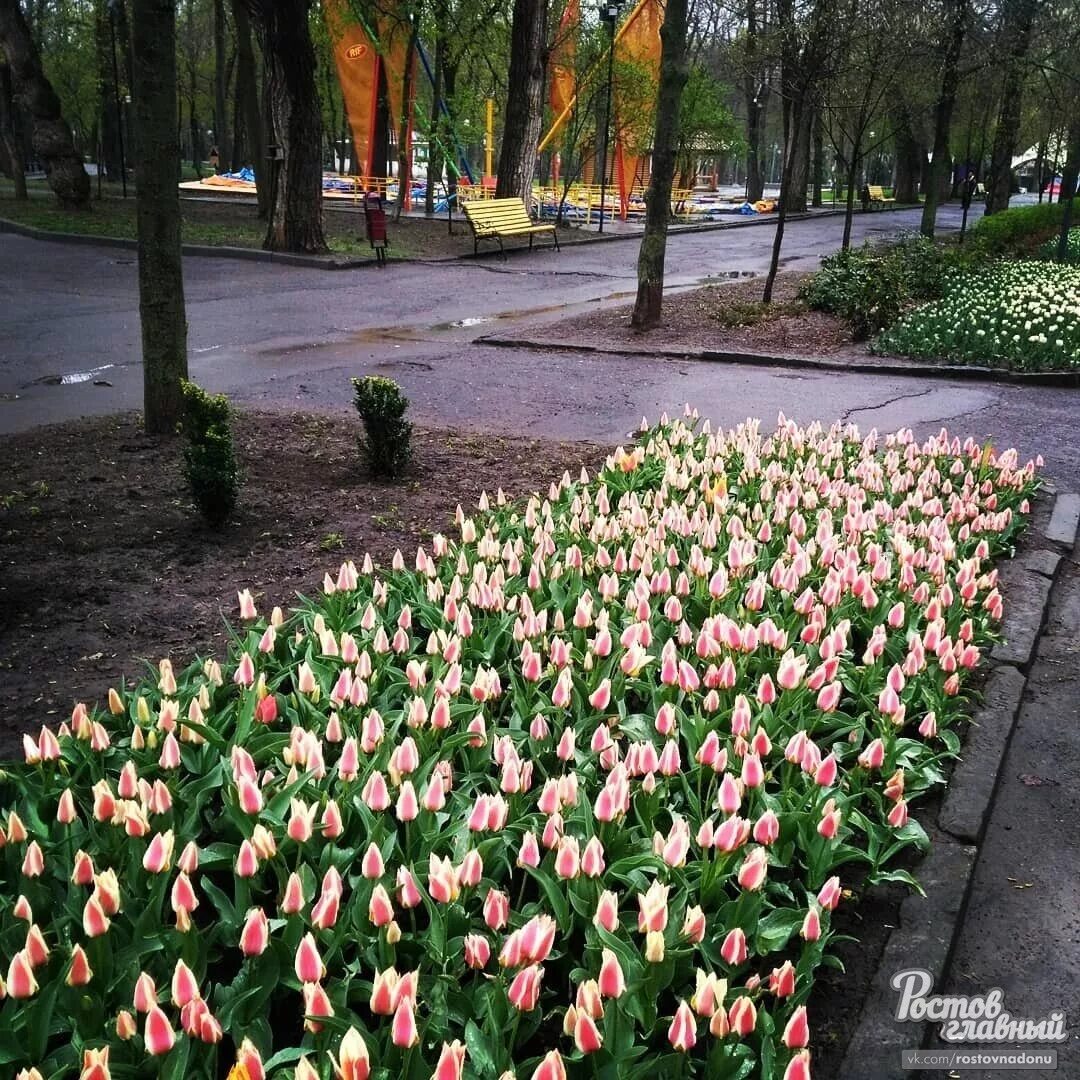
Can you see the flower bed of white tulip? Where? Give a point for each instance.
(1020, 315)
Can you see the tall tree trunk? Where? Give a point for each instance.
(53, 144)
(673, 75)
(1069, 176)
(450, 73)
(9, 141)
(943, 111)
(247, 90)
(802, 67)
(819, 158)
(525, 99)
(109, 113)
(755, 92)
(852, 180)
(800, 166)
(221, 85)
(296, 219)
(157, 154)
(405, 121)
(909, 158)
(1019, 16)
(435, 157)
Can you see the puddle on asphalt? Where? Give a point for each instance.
(71, 378)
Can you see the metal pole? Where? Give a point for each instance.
(489, 140)
(116, 94)
(607, 127)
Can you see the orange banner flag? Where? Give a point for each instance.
(639, 44)
(563, 57)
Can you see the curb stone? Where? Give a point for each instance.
(313, 262)
(967, 800)
(929, 926)
(851, 366)
(923, 939)
(1064, 521)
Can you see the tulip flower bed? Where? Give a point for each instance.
(1021, 315)
(1049, 248)
(573, 793)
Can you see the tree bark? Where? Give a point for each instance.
(435, 157)
(157, 156)
(673, 75)
(755, 92)
(943, 111)
(525, 99)
(1019, 17)
(819, 159)
(9, 141)
(52, 141)
(405, 122)
(296, 216)
(221, 88)
(802, 66)
(1067, 192)
(247, 90)
(909, 159)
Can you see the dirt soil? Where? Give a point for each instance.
(726, 317)
(105, 564)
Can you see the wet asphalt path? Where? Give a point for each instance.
(282, 337)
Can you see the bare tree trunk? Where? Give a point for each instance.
(908, 159)
(157, 155)
(755, 107)
(800, 166)
(819, 158)
(405, 121)
(296, 218)
(849, 206)
(1019, 16)
(247, 90)
(943, 111)
(435, 155)
(673, 75)
(525, 99)
(52, 137)
(1067, 192)
(9, 142)
(221, 88)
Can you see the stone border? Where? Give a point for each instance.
(314, 262)
(893, 366)
(929, 926)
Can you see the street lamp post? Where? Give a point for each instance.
(609, 13)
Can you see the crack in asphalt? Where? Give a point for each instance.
(849, 413)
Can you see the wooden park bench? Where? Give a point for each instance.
(877, 195)
(493, 219)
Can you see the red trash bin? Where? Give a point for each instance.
(375, 219)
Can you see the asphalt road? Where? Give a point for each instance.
(275, 336)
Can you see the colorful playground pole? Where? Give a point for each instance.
(489, 142)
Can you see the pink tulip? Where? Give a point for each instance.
(607, 912)
(33, 864)
(611, 980)
(734, 950)
(782, 980)
(247, 861)
(380, 908)
(95, 921)
(767, 828)
(255, 935)
(251, 1059)
(797, 1031)
(754, 869)
(477, 951)
(184, 984)
(307, 962)
(799, 1067)
(898, 815)
(682, 1034)
(811, 927)
(742, 1016)
(587, 1036)
(79, 973)
(352, 1062)
(317, 1006)
(451, 1063)
(158, 1035)
(20, 978)
(524, 991)
(825, 774)
(496, 909)
(829, 896)
(550, 1068)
